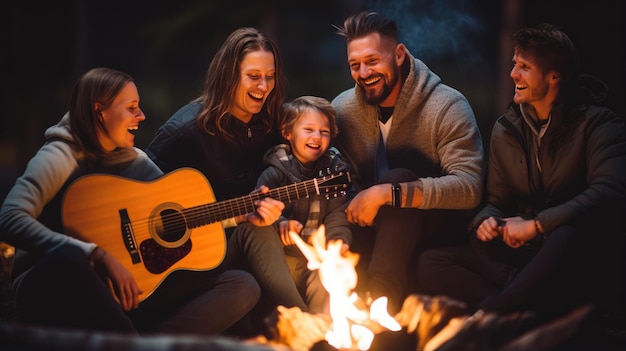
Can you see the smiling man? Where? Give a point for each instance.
(551, 235)
(415, 151)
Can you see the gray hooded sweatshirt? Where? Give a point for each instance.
(434, 134)
(30, 217)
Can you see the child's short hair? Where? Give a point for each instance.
(293, 109)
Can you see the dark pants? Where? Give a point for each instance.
(389, 249)
(63, 290)
(564, 271)
(198, 302)
(260, 251)
(307, 281)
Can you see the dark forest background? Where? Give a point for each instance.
(167, 45)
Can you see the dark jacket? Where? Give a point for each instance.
(582, 155)
(232, 168)
(285, 169)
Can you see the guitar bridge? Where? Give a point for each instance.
(128, 237)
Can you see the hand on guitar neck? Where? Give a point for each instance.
(268, 210)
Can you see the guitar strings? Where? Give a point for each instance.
(204, 214)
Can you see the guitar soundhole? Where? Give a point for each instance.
(173, 226)
(158, 259)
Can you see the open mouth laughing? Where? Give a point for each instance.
(313, 146)
(372, 80)
(255, 96)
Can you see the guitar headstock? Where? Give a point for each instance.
(334, 183)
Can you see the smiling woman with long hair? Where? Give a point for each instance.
(224, 133)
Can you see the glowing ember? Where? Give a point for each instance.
(337, 272)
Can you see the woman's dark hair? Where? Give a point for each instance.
(223, 76)
(99, 85)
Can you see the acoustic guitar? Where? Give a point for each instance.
(172, 223)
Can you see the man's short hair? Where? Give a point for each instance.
(549, 48)
(368, 22)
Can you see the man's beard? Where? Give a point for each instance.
(375, 97)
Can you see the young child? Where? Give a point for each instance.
(308, 125)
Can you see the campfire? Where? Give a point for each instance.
(353, 321)
(437, 322)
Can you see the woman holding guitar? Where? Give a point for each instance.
(62, 281)
(224, 134)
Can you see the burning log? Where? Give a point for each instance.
(297, 329)
(441, 324)
(521, 331)
(434, 319)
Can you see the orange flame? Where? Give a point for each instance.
(338, 275)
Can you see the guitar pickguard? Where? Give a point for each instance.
(157, 259)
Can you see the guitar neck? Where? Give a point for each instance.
(218, 211)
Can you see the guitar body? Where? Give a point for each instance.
(146, 226)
